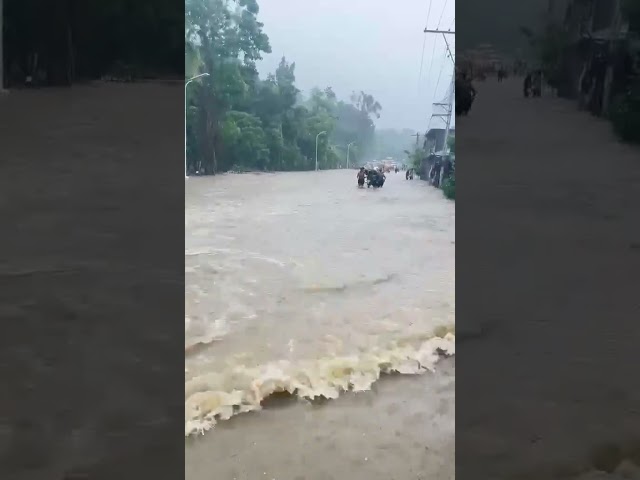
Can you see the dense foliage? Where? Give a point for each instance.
(625, 108)
(415, 157)
(239, 121)
(631, 10)
(60, 42)
(547, 47)
(625, 114)
(449, 185)
(550, 44)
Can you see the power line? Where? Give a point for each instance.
(424, 43)
(451, 88)
(433, 52)
(435, 91)
(446, 56)
(441, 15)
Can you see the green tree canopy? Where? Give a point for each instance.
(237, 120)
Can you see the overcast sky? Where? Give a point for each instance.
(369, 45)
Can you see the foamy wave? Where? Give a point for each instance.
(195, 252)
(214, 397)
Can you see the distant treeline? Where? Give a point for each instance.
(63, 41)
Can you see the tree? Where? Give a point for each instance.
(246, 142)
(229, 42)
(548, 46)
(60, 42)
(631, 10)
(237, 120)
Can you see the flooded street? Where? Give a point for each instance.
(565, 378)
(302, 283)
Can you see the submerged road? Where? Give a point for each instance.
(302, 281)
(557, 351)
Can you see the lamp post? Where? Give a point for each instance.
(317, 136)
(348, 148)
(185, 119)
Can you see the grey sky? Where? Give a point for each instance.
(370, 45)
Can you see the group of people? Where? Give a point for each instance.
(441, 169)
(374, 177)
(532, 86)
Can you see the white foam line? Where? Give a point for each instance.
(230, 251)
(213, 397)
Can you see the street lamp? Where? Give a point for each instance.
(185, 119)
(317, 136)
(348, 148)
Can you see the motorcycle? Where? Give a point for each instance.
(375, 180)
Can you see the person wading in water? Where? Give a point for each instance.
(526, 89)
(361, 174)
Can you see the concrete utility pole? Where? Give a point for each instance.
(452, 87)
(452, 90)
(417, 135)
(318, 136)
(185, 118)
(349, 148)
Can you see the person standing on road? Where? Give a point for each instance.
(361, 174)
(537, 83)
(465, 94)
(526, 90)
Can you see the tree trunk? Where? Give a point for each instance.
(1, 46)
(71, 65)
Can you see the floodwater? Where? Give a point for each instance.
(302, 288)
(566, 347)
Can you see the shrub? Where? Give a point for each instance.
(449, 188)
(625, 114)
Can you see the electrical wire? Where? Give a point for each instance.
(442, 14)
(435, 91)
(424, 43)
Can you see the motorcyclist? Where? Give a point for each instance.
(376, 178)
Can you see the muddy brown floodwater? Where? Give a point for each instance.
(301, 288)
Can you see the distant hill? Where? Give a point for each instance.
(496, 22)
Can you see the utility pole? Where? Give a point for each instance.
(185, 118)
(417, 135)
(349, 148)
(449, 103)
(452, 90)
(318, 136)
